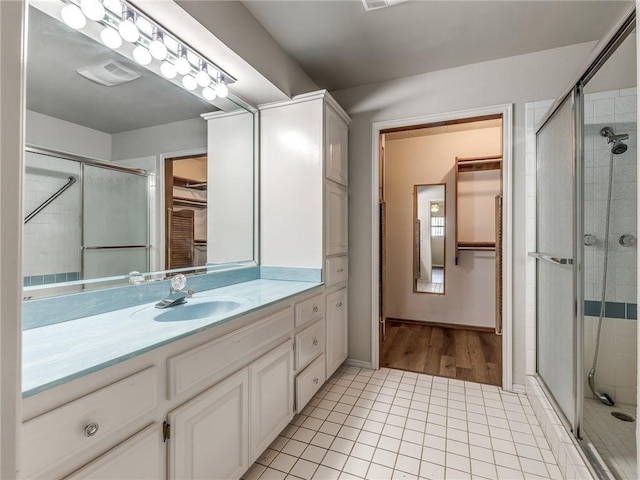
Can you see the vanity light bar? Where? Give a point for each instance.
(123, 21)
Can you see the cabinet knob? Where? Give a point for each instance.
(340, 270)
(315, 309)
(315, 342)
(339, 305)
(316, 380)
(91, 429)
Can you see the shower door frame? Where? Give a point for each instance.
(600, 55)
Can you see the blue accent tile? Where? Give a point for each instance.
(632, 311)
(614, 310)
(73, 276)
(61, 277)
(291, 274)
(27, 281)
(591, 308)
(37, 280)
(50, 278)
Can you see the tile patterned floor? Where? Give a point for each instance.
(390, 424)
(614, 439)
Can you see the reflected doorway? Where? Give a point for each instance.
(185, 212)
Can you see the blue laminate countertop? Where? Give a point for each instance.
(58, 353)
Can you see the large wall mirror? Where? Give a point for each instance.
(122, 172)
(429, 238)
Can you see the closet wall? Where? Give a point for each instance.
(470, 295)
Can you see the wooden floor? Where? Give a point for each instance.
(446, 352)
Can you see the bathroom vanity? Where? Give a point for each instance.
(205, 401)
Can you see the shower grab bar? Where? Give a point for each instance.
(551, 258)
(44, 204)
(108, 247)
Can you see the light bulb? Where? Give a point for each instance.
(111, 38)
(209, 93)
(73, 16)
(221, 90)
(142, 55)
(93, 9)
(189, 82)
(203, 78)
(168, 69)
(128, 30)
(157, 47)
(182, 65)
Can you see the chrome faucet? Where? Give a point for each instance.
(176, 295)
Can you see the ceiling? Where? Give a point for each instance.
(340, 45)
(56, 51)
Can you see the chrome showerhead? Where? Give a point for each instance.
(618, 146)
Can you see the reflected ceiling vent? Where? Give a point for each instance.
(376, 4)
(108, 73)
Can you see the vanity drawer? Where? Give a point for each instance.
(195, 370)
(309, 382)
(309, 310)
(96, 421)
(337, 270)
(309, 343)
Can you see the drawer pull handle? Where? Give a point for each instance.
(339, 305)
(315, 342)
(316, 380)
(315, 309)
(91, 429)
(340, 270)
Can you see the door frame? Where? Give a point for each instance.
(506, 110)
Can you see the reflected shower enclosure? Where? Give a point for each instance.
(97, 227)
(429, 238)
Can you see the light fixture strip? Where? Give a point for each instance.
(113, 20)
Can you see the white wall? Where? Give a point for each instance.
(469, 286)
(11, 161)
(170, 137)
(510, 80)
(49, 132)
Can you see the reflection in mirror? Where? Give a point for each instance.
(105, 173)
(429, 238)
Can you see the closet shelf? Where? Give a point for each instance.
(478, 246)
(189, 202)
(474, 164)
(189, 183)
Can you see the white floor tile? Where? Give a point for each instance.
(389, 424)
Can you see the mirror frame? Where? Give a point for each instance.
(416, 236)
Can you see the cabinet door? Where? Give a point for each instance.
(210, 434)
(336, 219)
(336, 317)
(271, 396)
(336, 137)
(140, 457)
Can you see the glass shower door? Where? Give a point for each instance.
(115, 219)
(555, 245)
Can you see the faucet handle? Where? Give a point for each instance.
(178, 282)
(190, 292)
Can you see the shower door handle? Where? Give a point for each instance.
(551, 258)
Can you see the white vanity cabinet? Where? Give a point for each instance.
(337, 346)
(336, 146)
(336, 223)
(138, 458)
(210, 434)
(271, 380)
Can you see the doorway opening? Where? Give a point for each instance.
(185, 211)
(441, 199)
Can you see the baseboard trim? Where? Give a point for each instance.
(352, 362)
(457, 326)
(519, 389)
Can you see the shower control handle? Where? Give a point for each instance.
(589, 240)
(627, 240)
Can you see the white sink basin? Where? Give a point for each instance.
(194, 309)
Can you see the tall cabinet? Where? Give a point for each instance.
(304, 201)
